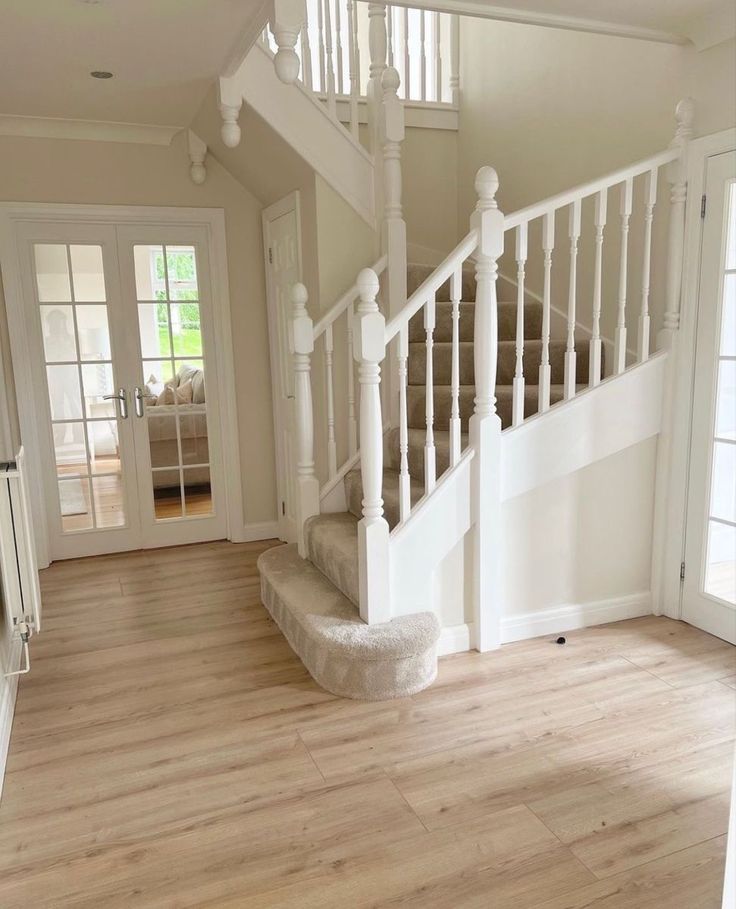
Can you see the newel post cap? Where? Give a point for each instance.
(486, 218)
(685, 113)
(486, 186)
(369, 344)
(302, 329)
(368, 285)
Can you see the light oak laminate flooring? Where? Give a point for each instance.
(170, 751)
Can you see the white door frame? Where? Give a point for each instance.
(214, 221)
(669, 549)
(271, 213)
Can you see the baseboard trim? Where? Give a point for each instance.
(265, 530)
(557, 619)
(7, 707)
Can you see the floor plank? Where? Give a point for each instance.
(169, 750)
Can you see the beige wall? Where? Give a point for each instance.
(429, 177)
(711, 81)
(39, 170)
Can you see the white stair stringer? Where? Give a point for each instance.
(302, 120)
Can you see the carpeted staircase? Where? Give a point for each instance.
(315, 604)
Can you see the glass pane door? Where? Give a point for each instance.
(175, 405)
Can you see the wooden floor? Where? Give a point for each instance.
(169, 750)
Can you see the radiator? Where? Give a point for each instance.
(18, 568)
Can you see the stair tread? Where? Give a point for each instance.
(341, 652)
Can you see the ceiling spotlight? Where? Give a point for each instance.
(100, 74)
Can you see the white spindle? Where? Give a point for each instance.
(423, 53)
(352, 423)
(404, 476)
(370, 350)
(306, 57)
(338, 48)
(677, 178)
(518, 387)
(570, 355)
(330, 389)
(354, 64)
(650, 199)
(430, 462)
(321, 47)
(548, 245)
(407, 56)
(456, 288)
(436, 18)
(393, 233)
(329, 62)
(619, 354)
(601, 204)
(455, 60)
(303, 345)
(485, 426)
(390, 34)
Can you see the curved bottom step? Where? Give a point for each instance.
(342, 653)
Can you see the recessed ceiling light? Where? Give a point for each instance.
(100, 74)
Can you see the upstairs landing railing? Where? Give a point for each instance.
(380, 344)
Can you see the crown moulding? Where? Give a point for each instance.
(89, 130)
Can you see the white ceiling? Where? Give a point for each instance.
(164, 54)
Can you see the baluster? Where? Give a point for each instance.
(548, 245)
(570, 355)
(455, 60)
(306, 56)
(354, 64)
(329, 64)
(404, 476)
(456, 289)
(430, 464)
(650, 199)
(677, 178)
(321, 47)
(390, 34)
(331, 444)
(485, 425)
(601, 204)
(377, 46)
(423, 53)
(518, 388)
(338, 48)
(370, 350)
(619, 354)
(407, 56)
(303, 345)
(437, 57)
(352, 424)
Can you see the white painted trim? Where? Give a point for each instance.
(668, 545)
(253, 31)
(551, 20)
(552, 621)
(263, 530)
(573, 616)
(417, 114)
(211, 218)
(91, 130)
(6, 434)
(7, 704)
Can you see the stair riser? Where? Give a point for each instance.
(506, 322)
(442, 363)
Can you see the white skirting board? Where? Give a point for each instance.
(8, 694)
(556, 620)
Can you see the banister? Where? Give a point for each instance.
(350, 295)
(538, 209)
(432, 284)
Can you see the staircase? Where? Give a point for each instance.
(456, 400)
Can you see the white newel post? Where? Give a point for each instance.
(373, 544)
(287, 21)
(302, 339)
(485, 424)
(377, 45)
(677, 178)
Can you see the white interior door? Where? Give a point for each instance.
(120, 328)
(281, 235)
(709, 586)
(75, 325)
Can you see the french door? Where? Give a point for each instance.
(709, 586)
(120, 333)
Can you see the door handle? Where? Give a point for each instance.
(122, 398)
(138, 398)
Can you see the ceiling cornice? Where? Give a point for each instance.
(550, 20)
(94, 130)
